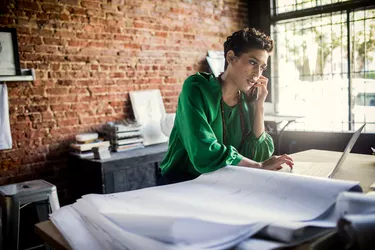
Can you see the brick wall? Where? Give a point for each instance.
(87, 56)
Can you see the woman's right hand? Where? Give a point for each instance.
(275, 162)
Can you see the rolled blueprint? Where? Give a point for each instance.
(357, 231)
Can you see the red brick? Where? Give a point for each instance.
(17, 101)
(75, 43)
(33, 109)
(71, 114)
(64, 82)
(64, 34)
(28, 5)
(84, 83)
(44, 124)
(69, 2)
(21, 126)
(86, 35)
(78, 91)
(47, 115)
(57, 91)
(88, 120)
(51, 7)
(64, 17)
(90, 4)
(67, 122)
(66, 99)
(59, 115)
(60, 107)
(80, 106)
(117, 75)
(61, 131)
(45, 49)
(53, 41)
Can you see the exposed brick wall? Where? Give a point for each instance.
(87, 56)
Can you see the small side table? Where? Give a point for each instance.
(13, 197)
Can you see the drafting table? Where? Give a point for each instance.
(356, 167)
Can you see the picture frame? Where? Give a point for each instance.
(148, 109)
(9, 57)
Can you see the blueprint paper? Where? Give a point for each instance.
(217, 210)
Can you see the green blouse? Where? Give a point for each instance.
(196, 140)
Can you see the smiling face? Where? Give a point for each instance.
(245, 70)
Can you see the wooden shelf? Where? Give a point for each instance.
(27, 75)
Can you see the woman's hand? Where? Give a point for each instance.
(261, 85)
(275, 162)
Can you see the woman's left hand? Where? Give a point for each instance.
(261, 85)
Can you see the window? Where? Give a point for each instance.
(293, 5)
(324, 63)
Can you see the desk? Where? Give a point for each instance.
(51, 235)
(356, 167)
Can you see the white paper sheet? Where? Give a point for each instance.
(259, 244)
(5, 135)
(232, 195)
(112, 236)
(355, 203)
(266, 244)
(186, 231)
(74, 230)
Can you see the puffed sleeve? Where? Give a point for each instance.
(258, 149)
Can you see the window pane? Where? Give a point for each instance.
(363, 67)
(310, 71)
(283, 6)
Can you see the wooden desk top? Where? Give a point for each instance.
(356, 167)
(51, 235)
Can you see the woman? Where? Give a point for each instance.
(219, 121)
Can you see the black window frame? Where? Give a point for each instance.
(266, 21)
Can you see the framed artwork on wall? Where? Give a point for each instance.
(148, 108)
(9, 57)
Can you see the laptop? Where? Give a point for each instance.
(323, 169)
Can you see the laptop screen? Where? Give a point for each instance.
(347, 150)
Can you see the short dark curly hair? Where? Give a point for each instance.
(244, 40)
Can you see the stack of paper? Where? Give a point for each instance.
(217, 210)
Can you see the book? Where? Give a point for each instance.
(128, 141)
(83, 155)
(89, 146)
(121, 127)
(127, 134)
(128, 147)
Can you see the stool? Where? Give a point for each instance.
(13, 197)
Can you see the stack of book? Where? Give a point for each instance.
(84, 144)
(124, 136)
